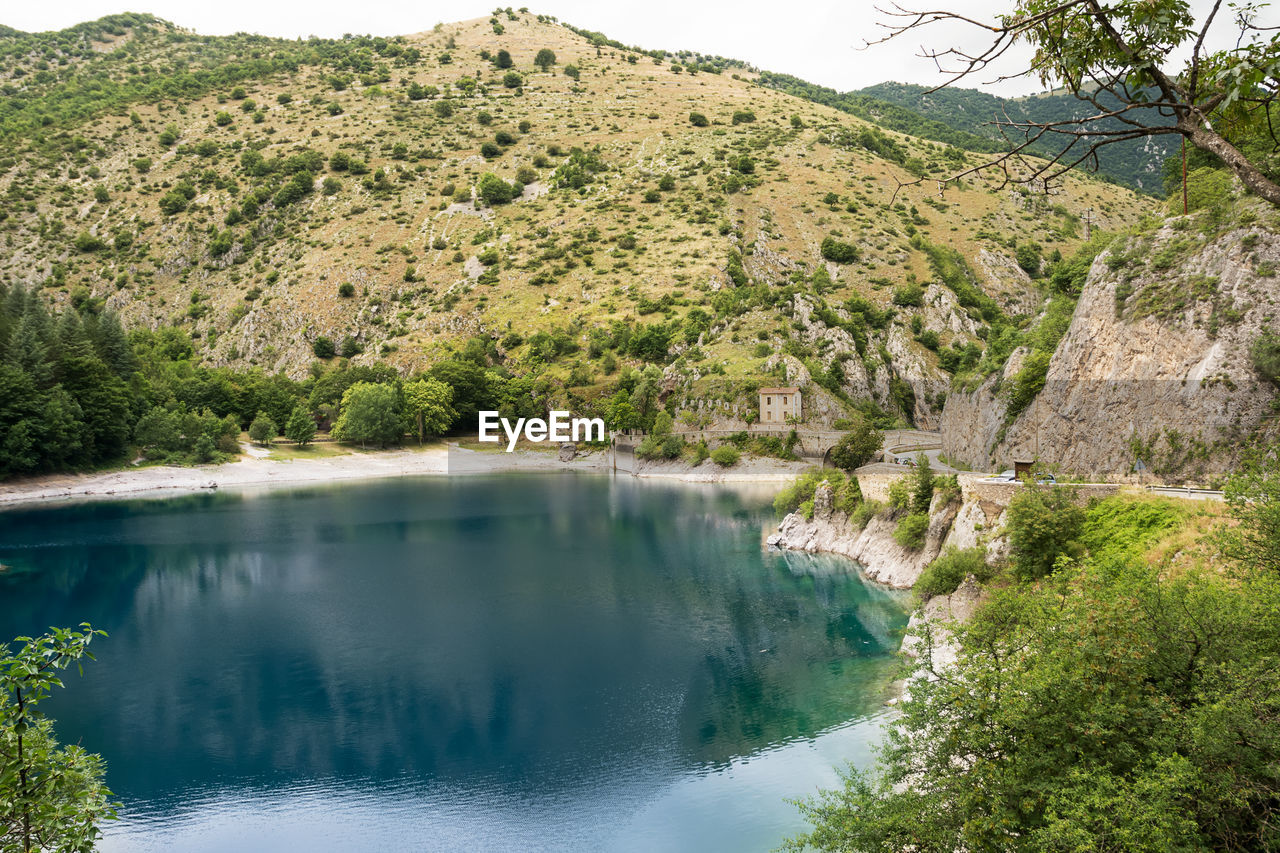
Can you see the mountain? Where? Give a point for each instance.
(404, 199)
(1136, 163)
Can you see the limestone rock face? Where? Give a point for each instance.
(1156, 360)
(568, 451)
(874, 547)
(932, 620)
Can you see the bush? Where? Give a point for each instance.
(743, 116)
(1044, 522)
(863, 513)
(726, 456)
(698, 120)
(504, 137)
(512, 80)
(908, 295)
(911, 530)
(545, 58)
(263, 429)
(841, 253)
(323, 347)
(945, 574)
(1265, 354)
(503, 59)
(489, 150)
(856, 449)
(493, 190)
(572, 71)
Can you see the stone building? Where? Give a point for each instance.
(779, 406)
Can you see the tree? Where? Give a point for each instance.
(323, 347)
(372, 413)
(698, 120)
(51, 796)
(503, 59)
(431, 402)
(512, 80)
(1044, 522)
(301, 427)
(856, 448)
(572, 72)
(1144, 69)
(545, 58)
(263, 429)
(1114, 710)
(1253, 499)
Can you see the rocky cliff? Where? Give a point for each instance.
(1155, 365)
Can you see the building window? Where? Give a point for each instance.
(768, 401)
(784, 401)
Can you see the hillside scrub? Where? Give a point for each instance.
(1121, 705)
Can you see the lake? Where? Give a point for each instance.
(490, 663)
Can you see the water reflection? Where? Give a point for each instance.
(546, 637)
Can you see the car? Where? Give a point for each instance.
(1044, 478)
(1007, 475)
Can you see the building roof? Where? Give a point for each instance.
(791, 390)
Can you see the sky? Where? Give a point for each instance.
(821, 41)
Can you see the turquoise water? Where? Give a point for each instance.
(551, 662)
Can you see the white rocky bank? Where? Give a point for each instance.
(961, 524)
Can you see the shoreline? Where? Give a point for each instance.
(253, 469)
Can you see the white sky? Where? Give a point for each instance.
(816, 40)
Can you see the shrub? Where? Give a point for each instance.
(493, 190)
(504, 137)
(86, 242)
(841, 253)
(572, 71)
(503, 59)
(698, 120)
(223, 118)
(545, 58)
(726, 456)
(443, 109)
(1044, 522)
(489, 150)
(945, 574)
(911, 530)
(743, 116)
(263, 429)
(908, 295)
(1265, 354)
(863, 513)
(900, 493)
(856, 449)
(346, 290)
(323, 347)
(512, 80)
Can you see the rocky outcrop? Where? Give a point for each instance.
(883, 559)
(930, 623)
(1155, 365)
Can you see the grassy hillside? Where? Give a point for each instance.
(390, 199)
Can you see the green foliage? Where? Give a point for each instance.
(726, 456)
(911, 530)
(1120, 708)
(545, 58)
(1027, 383)
(1253, 500)
(846, 494)
(945, 574)
(512, 80)
(1044, 523)
(430, 401)
(841, 253)
(492, 190)
(301, 427)
(908, 295)
(856, 449)
(1265, 355)
(51, 797)
(698, 120)
(372, 413)
(263, 430)
(579, 170)
(323, 347)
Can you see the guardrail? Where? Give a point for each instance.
(1188, 491)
